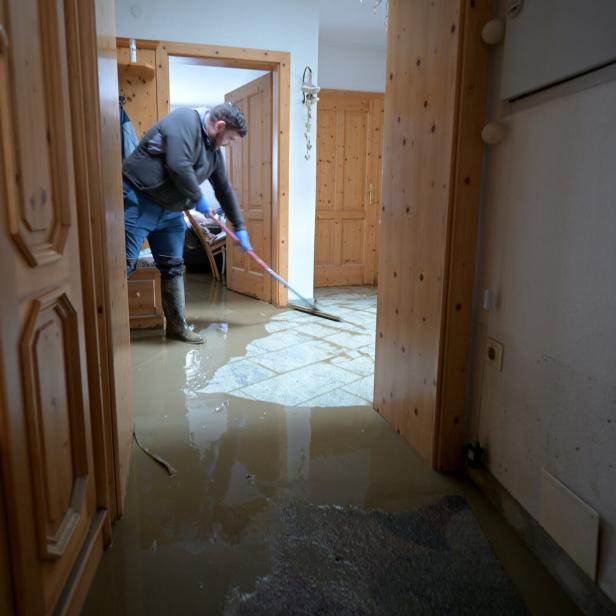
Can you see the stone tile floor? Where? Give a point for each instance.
(306, 360)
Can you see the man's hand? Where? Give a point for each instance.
(242, 236)
(203, 207)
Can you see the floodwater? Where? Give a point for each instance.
(237, 425)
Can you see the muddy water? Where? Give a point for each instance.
(189, 539)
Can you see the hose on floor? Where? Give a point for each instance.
(160, 461)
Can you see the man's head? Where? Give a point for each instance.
(225, 123)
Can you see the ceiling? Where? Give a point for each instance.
(194, 84)
(352, 23)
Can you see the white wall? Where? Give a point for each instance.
(352, 68)
(199, 85)
(548, 248)
(292, 26)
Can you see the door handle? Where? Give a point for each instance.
(371, 193)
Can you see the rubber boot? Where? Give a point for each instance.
(174, 308)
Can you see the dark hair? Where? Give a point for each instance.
(232, 116)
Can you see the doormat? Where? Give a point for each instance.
(344, 560)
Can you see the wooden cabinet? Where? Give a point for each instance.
(144, 299)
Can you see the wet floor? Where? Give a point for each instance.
(243, 449)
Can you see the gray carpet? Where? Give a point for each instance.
(343, 560)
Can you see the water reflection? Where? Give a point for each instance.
(187, 539)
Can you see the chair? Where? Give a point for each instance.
(216, 246)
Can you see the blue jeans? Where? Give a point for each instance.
(163, 229)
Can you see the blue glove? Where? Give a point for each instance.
(202, 206)
(242, 235)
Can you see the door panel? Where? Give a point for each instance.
(250, 171)
(349, 147)
(431, 193)
(47, 463)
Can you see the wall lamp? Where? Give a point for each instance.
(310, 92)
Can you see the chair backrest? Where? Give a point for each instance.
(211, 250)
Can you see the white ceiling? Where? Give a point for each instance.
(193, 84)
(352, 23)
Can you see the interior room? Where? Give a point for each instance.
(386, 386)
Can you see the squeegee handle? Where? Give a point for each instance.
(257, 259)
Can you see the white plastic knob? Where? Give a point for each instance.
(493, 32)
(493, 133)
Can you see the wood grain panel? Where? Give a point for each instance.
(38, 192)
(355, 161)
(250, 172)
(94, 92)
(140, 91)
(326, 149)
(47, 461)
(112, 272)
(349, 148)
(375, 156)
(145, 300)
(462, 238)
(424, 108)
(141, 297)
(80, 33)
(419, 128)
(353, 234)
(55, 414)
(325, 233)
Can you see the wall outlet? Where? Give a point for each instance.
(494, 353)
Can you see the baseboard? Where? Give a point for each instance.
(588, 597)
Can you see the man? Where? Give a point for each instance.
(162, 178)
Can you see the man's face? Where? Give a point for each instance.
(228, 137)
(221, 135)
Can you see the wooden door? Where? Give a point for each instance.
(249, 161)
(349, 152)
(434, 110)
(47, 465)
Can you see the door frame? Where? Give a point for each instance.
(279, 63)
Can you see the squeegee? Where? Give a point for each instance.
(308, 306)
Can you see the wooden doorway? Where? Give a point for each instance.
(250, 173)
(278, 64)
(349, 154)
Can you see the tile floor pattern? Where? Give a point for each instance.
(306, 360)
